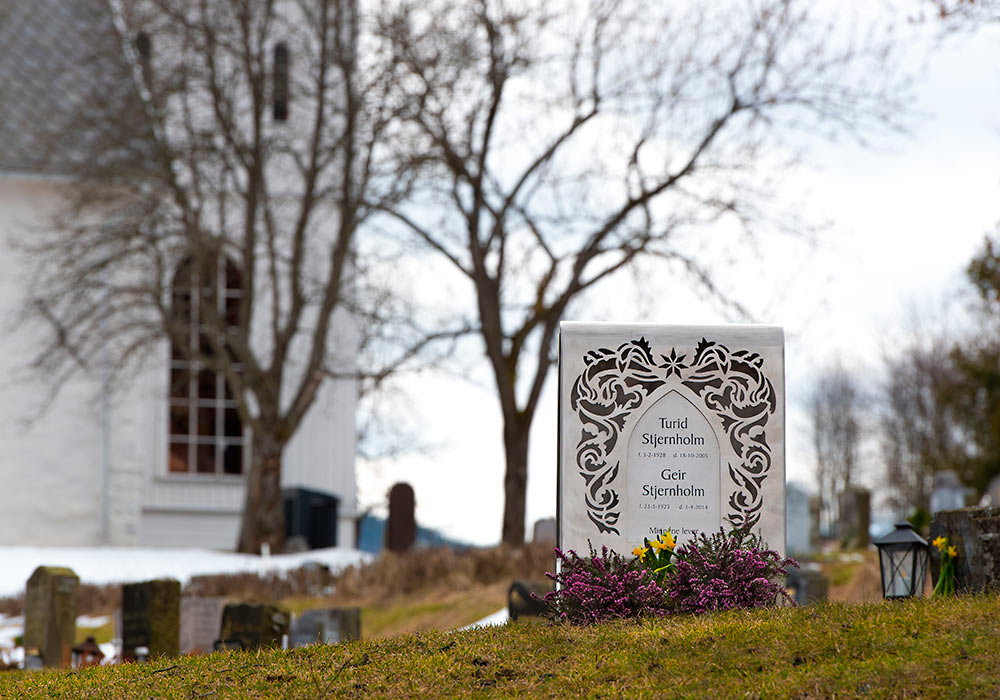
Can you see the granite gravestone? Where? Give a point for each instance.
(253, 626)
(669, 427)
(975, 534)
(201, 620)
(854, 508)
(798, 527)
(151, 618)
(401, 530)
(544, 530)
(50, 614)
(330, 626)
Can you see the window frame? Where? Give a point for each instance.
(205, 437)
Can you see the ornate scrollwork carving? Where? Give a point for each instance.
(731, 384)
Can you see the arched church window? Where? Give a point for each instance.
(279, 84)
(205, 435)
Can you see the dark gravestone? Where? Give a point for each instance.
(975, 533)
(544, 530)
(326, 626)
(50, 614)
(808, 585)
(521, 600)
(855, 517)
(151, 618)
(401, 533)
(201, 620)
(253, 626)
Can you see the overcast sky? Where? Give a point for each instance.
(905, 216)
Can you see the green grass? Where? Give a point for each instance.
(917, 649)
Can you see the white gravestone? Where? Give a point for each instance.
(669, 427)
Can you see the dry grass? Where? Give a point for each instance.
(918, 649)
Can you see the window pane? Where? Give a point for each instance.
(204, 346)
(232, 458)
(206, 421)
(179, 425)
(207, 384)
(178, 462)
(232, 427)
(205, 455)
(179, 384)
(234, 280)
(232, 311)
(181, 311)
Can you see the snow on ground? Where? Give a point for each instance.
(100, 565)
(500, 617)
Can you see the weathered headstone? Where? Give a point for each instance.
(201, 620)
(544, 530)
(401, 530)
(808, 584)
(50, 614)
(854, 519)
(797, 523)
(254, 625)
(330, 626)
(669, 427)
(151, 618)
(948, 493)
(975, 534)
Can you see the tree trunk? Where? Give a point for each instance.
(515, 481)
(263, 510)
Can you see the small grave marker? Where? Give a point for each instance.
(50, 614)
(401, 531)
(253, 626)
(201, 620)
(330, 626)
(151, 615)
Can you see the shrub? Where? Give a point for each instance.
(728, 570)
(603, 586)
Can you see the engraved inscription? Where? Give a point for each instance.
(673, 471)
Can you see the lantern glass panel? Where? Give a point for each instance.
(904, 567)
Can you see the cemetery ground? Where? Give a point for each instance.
(936, 648)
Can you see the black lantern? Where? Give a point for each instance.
(902, 556)
(87, 654)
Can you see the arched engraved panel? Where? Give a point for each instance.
(731, 384)
(673, 478)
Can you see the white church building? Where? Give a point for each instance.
(92, 467)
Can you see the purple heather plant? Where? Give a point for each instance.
(728, 570)
(603, 586)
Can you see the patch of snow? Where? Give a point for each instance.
(96, 621)
(103, 565)
(500, 617)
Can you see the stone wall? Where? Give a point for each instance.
(975, 533)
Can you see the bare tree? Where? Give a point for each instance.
(919, 433)
(967, 13)
(838, 412)
(230, 157)
(564, 141)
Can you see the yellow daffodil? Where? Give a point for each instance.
(952, 552)
(658, 546)
(640, 552)
(668, 540)
(940, 543)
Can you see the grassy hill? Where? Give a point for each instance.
(917, 649)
